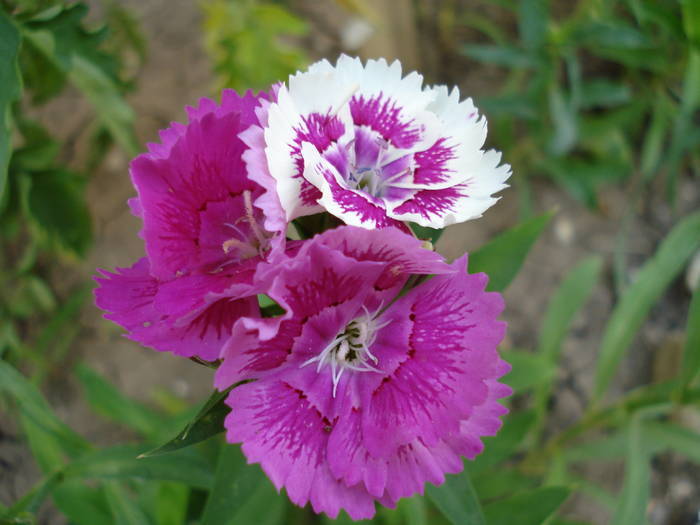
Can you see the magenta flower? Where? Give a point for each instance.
(376, 149)
(204, 230)
(362, 396)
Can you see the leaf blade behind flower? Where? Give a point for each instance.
(502, 257)
(631, 311)
(208, 422)
(457, 500)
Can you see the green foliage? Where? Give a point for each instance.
(457, 500)
(44, 216)
(584, 87)
(251, 42)
(502, 257)
(652, 280)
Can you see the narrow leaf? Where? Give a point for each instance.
(123, 462)
(428, 234)
(652, 280)
(531, 508)
(108, 401)
(510, 57)
(691, 352)
(671, 436)
(125, 510)
(567, 300)
(34, 407)
(533, 18)
(632, 503)
(502, 257)
(528, 370)
(208, 422)
(234, 483)
(10, 89)
(457, 500)
(500, 447)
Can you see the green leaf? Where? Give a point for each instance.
(248, 42)
(531, 508)
(35, 408)
(234, 483)
(81, 504)
(600, 92)
(111, 108)
(124, 509)
(10, 89)
(208, 422)
(63, 40)
(425, 233)
(106, 400)
(564, 121)
(632, 502)
(502, 257)
(629, 314)
(57, 204)
(510, 57)
(528, 370)
(500, 447)
(413, 511)
(170, 503)
(691, 352)
(501, 482)
(533, 19)
(30, 501)
(124, 462)
(667, 435)
(691, 20)
(652, 148)
(567, 300)
(457, 500)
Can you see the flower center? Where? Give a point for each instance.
(378, 167)
(247, 245)
(350, 350)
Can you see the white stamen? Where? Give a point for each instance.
(350, 350)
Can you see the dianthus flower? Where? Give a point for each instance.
(362, 394)
(377, 149)
(204, 231)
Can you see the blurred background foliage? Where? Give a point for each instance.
(588, 95)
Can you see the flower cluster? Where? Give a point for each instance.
(366, 379)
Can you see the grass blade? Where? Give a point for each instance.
(234, 483)
(33, 406)
(630, 312)
(690, 372)
(502, 257)
(457, 500)
(567, 300)
(632, 503)
(106, 400)
(531, 508)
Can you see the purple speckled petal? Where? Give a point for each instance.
(129, 297)
(204, 166)
(432, 164)
(282, 431)
(451, 349)
(402, 253)
(385, 116)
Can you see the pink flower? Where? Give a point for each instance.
(377, 149)
(204, 233)
(363, 395)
